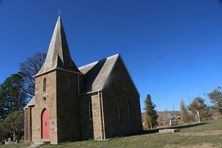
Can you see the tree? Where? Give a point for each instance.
(216, 98)
(12, 95)
(198, 107)
(12, 126)
(2, 104)
(183, 112)
(29, 68)
(3, 133)
(150, 113)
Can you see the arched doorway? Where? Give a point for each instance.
(45, 124)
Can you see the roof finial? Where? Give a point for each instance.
(59, 12)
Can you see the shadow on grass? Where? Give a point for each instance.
(155, 130)
(150, 131)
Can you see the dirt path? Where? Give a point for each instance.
(35, 145)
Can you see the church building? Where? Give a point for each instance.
(96, 101)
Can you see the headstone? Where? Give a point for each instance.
(168, 130)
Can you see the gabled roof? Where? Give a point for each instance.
(97, 73)
(58, 55)
(31, 103)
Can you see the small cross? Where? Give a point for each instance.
(59, 12)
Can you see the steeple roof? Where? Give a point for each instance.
(58, 56)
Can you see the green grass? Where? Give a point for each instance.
(20, 145)
(205, 135)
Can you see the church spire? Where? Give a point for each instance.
(58, 56)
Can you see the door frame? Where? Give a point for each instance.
(43, 111)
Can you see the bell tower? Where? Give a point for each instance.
(56, 112)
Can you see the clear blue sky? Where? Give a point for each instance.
(172, 48)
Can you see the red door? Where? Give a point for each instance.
(45, 125)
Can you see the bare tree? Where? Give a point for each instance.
(29, 68)
(183, 112)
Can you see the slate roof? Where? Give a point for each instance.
(96, 74)
(58, 55)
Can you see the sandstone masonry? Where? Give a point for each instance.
(95, 101)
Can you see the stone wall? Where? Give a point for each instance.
(86, 121)
(122, 113)
(28, 124)
(91, 122)
(115, 111)
(45, 100)
(68, 107)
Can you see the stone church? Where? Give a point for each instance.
(95, 101)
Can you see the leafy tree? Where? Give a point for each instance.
(150, 113)
(184, 112)
(3, 133)
(12, 95)
(3, 100)
(198, 107)
(12, 126)
(216, 98)
(29, 68)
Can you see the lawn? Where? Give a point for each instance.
(204, 136)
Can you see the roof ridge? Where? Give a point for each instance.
(95, 62)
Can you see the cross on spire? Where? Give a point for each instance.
(59, 12)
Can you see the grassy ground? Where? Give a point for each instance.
(20, 145)
(204, 136)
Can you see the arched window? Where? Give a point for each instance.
(44, 85)
(90, 110)
(118, 110)
(128, 110)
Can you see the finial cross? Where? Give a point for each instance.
(60, 11)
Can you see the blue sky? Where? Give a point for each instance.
(172, 48)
